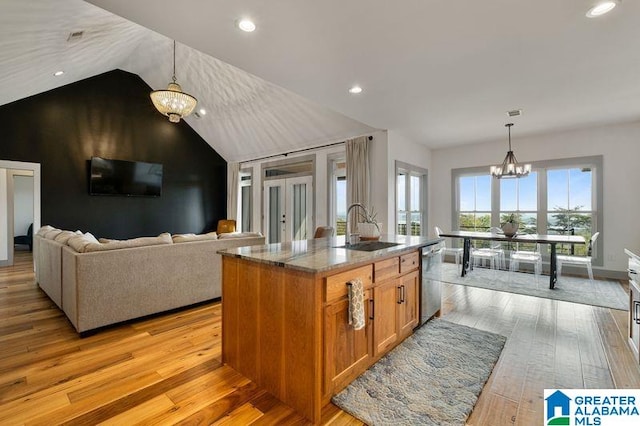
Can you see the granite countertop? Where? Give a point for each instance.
(324, 254)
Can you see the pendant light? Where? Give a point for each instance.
(173, 102)
(510, 167)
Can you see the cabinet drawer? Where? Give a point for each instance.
(409, 262)
(387, 268)
(337, 284)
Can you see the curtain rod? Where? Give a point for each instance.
(297, 151)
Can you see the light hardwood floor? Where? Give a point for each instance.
(167, 370)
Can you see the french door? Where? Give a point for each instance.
(288, 206)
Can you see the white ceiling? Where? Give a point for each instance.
(439, 72)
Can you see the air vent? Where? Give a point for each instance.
(514, 113)
(75, 36)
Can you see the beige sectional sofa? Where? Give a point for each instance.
(102, 283)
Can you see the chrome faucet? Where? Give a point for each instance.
(348, 236)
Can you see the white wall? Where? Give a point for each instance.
(4, 254)
(22, 204)
(618, 144)
(389, 147)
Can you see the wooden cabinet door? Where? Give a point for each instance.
(386, 298)
(634, 318)
(408, 310)
(347, 352)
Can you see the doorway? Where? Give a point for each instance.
(9, 171)
(288, 207)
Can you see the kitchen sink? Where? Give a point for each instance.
(369, 245)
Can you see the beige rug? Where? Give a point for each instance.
(605, 293)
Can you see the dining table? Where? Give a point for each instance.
(552, 240)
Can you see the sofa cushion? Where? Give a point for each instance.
(52, 234)
(43, 230)
(239, 235)
(183, 238)
(164, 238)
(63, 237)
(80, 242)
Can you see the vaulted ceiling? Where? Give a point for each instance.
(439, 72)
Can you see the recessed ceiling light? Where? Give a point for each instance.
(601, 8)
(58, 73)
(246, 25)
(202, 111)
(355, 90)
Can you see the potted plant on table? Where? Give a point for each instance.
(510, 226)
(369, 229)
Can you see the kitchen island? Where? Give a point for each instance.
(285, 312)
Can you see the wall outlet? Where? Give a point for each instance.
(611, 258)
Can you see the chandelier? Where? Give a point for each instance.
(173, 102)
(510, 167)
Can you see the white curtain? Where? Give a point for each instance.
(233, 186)
(357, 175)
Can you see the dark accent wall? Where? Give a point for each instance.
(110, 115)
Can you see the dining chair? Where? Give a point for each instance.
(494, 253)
(579, 260)
(525, 256)
(444, 250)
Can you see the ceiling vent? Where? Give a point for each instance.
(514, 113)
(75, 36)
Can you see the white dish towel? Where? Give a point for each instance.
(356, 304)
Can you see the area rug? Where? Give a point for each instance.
(434, 377)
(605, 293)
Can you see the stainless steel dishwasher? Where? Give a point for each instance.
(431, 286)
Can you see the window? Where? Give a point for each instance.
(570, 205)
(338, 194)
(411, 205)
(474, 203)
(246, 196)
(519, 197)
(557, 197)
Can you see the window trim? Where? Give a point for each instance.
(245, 172)
(595, 162)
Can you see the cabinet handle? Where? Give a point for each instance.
(636, 311)
(402, 293)
(399, 301)
(371, 308)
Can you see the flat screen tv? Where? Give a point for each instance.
(126, 178)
